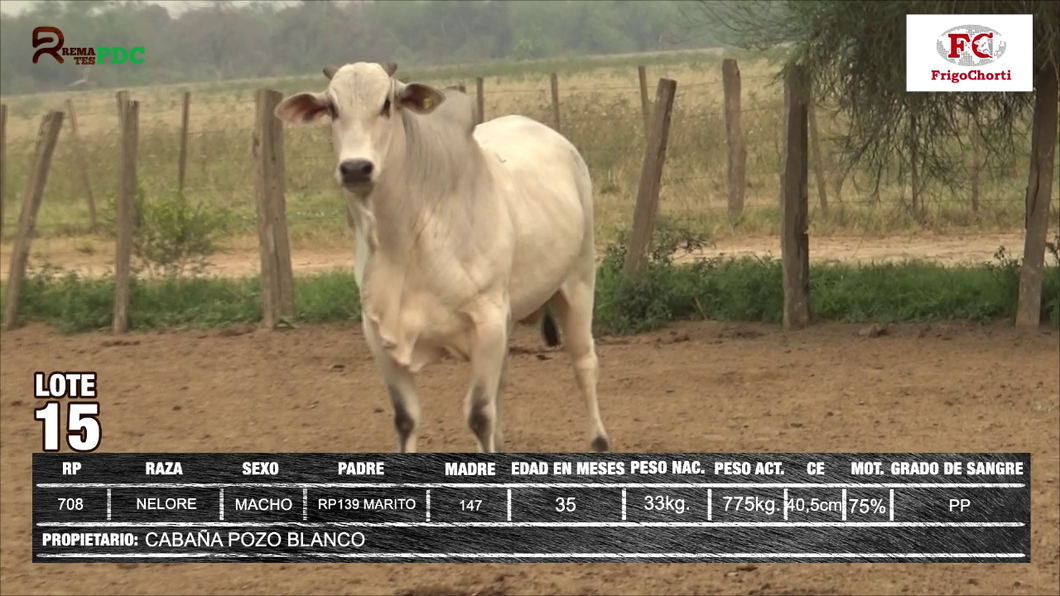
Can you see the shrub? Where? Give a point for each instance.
(172, 236)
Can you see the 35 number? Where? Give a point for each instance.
(83, 431)
(565, 504)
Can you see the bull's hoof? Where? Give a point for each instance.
(601, 445)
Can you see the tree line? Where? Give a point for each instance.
(262, 39)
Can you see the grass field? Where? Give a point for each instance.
(600, 112)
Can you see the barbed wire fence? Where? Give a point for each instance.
(724, 155)
(601, 119)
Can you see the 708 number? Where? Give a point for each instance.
(83, 431)
(71, 504)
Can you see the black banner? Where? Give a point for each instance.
(678, 507)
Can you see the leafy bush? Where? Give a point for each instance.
(172, 236)
(647, 301)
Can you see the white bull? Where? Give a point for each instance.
(460, 231)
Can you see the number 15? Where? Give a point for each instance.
(83, 429)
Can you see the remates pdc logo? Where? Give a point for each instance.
(971, 45)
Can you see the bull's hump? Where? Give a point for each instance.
(514, 138)
(504, 125)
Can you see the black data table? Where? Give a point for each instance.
(678, 507)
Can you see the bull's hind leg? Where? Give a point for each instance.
(489, 356)
(401, 389)
(573, 305)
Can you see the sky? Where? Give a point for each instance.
(174, 6)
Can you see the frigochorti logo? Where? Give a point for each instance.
(972, 46)
(969, 53)
(53, 42)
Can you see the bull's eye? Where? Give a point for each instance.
(332, 112)
(386, 107)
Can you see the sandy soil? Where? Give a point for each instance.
(696, 387)
(949, 250)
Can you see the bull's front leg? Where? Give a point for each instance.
(489, 352)
(400, 387)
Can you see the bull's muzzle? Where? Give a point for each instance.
(356, 174)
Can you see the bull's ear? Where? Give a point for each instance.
(302, 108)
(420, 98)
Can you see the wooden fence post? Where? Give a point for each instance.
(818, 158)
(645, 105)
(1039, 191)
(125, 214)
(977, 162)
(640, 237)
(555, 101)
(480, 113)
(120, 98)
(47, 138)
(80, 153)
(3, 165)
(794, 243)
(734, 137)
(277, 279)
(914, 166)
(182, 164)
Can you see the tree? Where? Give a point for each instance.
(854, 53)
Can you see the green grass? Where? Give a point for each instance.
(745, 289)
(751, 289)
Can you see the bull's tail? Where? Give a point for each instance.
(549, 330)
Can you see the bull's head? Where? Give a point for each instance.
(363, 101)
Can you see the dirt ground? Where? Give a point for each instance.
(948, 250)
(704, 387)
